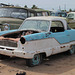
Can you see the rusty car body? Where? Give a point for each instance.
(36, 38)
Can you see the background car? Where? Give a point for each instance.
(14, 16)
(71, 19)
(58, 13)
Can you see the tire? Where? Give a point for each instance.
(37, 59)
(2, 57)
(72, 50)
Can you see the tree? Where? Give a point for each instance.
(25, 6)
(34, 7)
(70, 10)
(63, 10)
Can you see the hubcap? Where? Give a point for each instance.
(36, 59)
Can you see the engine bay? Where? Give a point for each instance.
(19, 34)
(11, 39)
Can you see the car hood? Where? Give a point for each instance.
(11, 21)
(8, 31)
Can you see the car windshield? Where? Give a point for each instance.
(13, 12)
(42, 25)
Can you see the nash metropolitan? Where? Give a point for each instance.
(38, 37)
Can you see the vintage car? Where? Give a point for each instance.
(38, 37)
(71, 19)
(58, 13)
(14, 16)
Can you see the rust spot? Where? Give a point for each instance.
(12, 52)
(47, 34)
(23, 53)
(53, 49)
(62, 46)
(38, 51)
(22, 47)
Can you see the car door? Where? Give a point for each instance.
(71, 34)
(60, 35)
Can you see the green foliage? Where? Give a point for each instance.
(70, 10)
(25, 6)
(34, 7)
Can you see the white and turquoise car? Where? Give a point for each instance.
(38, 37)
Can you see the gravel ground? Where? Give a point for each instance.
(60, 64)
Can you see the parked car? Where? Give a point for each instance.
(36, 38)
(14, 16)
(41, 12)
(58, 13)
(71, 19)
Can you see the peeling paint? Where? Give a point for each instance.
(62, 46)
(37, 36)
(23, 53)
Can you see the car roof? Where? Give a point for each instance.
(71, 12)
(45, 18)
(50, 18)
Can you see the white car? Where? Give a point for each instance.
(71, 19)
(38, 37)
(71, 15)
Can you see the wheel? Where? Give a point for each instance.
(72, 50)
(2, 57)
(37, 59)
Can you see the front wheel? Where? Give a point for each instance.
(37, 59)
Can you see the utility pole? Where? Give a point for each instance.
(59, 7)
(64, 7)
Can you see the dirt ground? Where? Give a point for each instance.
(60, 64)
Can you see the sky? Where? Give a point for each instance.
(45, 4)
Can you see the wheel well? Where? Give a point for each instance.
(43, 55)
(72, 45)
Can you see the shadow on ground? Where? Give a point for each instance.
(56, 64)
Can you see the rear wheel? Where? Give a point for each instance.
(72, 50)
(37, 59)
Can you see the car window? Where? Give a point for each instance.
(70, 16)
(57, 26)
(68, 27)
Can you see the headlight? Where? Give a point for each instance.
(22, 40)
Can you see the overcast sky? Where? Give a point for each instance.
(45, 4)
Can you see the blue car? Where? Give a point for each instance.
(58, 13)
